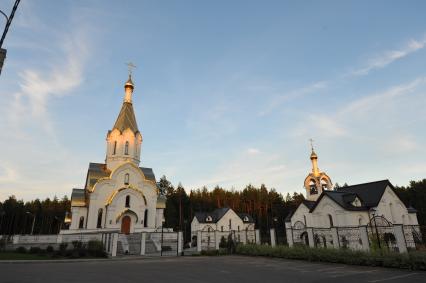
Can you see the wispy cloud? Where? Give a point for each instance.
(388, 57)
(38, 85)
(293, 94)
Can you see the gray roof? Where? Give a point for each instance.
(149, 174)
(244, 215)
(217, 214)
(368, 193)
(77, 194)
(126, 118)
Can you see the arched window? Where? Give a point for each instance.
(81, 223)
(313, 187)
(230, 224)
(114, 149)
(127, 201)
(99, 224)
(304, 218)
(126, 148)
(360, 221)
(126, 178)
(324, 184)
(330, 219)
(145, 222)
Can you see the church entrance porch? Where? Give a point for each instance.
(125, 224)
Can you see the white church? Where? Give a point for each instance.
(118, 194)
(348, 206)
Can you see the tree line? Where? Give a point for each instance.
(267, 207)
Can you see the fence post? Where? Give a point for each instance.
(114, 244)
(143, 243)
(180, 240)
(257, 236)
(199, 241)
(272, 234)
(400, 238)
(15, 239)
(363, 234)
(311, 237)
(335, 235)
(216, 239)
(289, 234)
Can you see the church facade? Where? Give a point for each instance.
(119, 194)
(349, 206)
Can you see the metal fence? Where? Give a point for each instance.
(376, 237)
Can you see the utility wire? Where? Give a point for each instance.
(9, 21)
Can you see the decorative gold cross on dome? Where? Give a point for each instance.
(130, 67)
(312, 144)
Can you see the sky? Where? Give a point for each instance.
(226, 93)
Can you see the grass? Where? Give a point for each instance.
(412, 260)
(21, 256)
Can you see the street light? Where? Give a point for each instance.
(32, 226)
(2, 213)
(162, 234)
(275, 229)
(6, 28)
(59, 223)
(373, 211)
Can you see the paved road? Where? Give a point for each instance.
(201, 269)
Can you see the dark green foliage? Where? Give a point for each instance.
(35, 250)
(415, 195)
(2, 244)
(21, 250)
(49, 249)
(412, 260)
(223, 243)
(215, 252)
(77, 244)
(49, 215)
(63, 248)
(96, 248)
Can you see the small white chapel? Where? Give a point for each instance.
(355, 205)
(119, 194)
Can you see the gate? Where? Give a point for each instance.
(129, 244)
(162, 243)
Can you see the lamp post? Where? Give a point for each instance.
(162, 235)
(6, 28)
(2, 213)
(275, 230)
(59, 223)
(373, 211)
(32, 226)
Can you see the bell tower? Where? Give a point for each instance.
(124, 139)
(316, 181)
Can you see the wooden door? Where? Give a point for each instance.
(125, 225)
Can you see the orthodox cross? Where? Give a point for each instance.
(130, 67)
(312, 144)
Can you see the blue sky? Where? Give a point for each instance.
(227, 92)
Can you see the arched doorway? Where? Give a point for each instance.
(125, 224)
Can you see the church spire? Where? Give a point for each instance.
(316, 181)
(314, 160)
(129, 86)
(124, 139)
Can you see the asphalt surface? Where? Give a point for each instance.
(200, 269)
